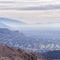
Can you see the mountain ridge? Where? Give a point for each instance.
(3, 25)
(10, 22)
(8, 53)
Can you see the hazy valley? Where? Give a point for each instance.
(43, 43)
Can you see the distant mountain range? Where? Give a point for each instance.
(3, 25)
(6, 22)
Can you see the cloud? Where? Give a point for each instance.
(48, 7)
(6, 0)
(38, 0)
(28, 5)
(31, 12)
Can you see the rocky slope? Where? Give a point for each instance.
(7, 53)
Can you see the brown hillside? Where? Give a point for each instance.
(7, 53)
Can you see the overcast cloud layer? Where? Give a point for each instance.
(47, 11)
(33, 0)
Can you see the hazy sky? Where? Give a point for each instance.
(32, 0)
(47, 11)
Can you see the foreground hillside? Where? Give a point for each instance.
(7, 53)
